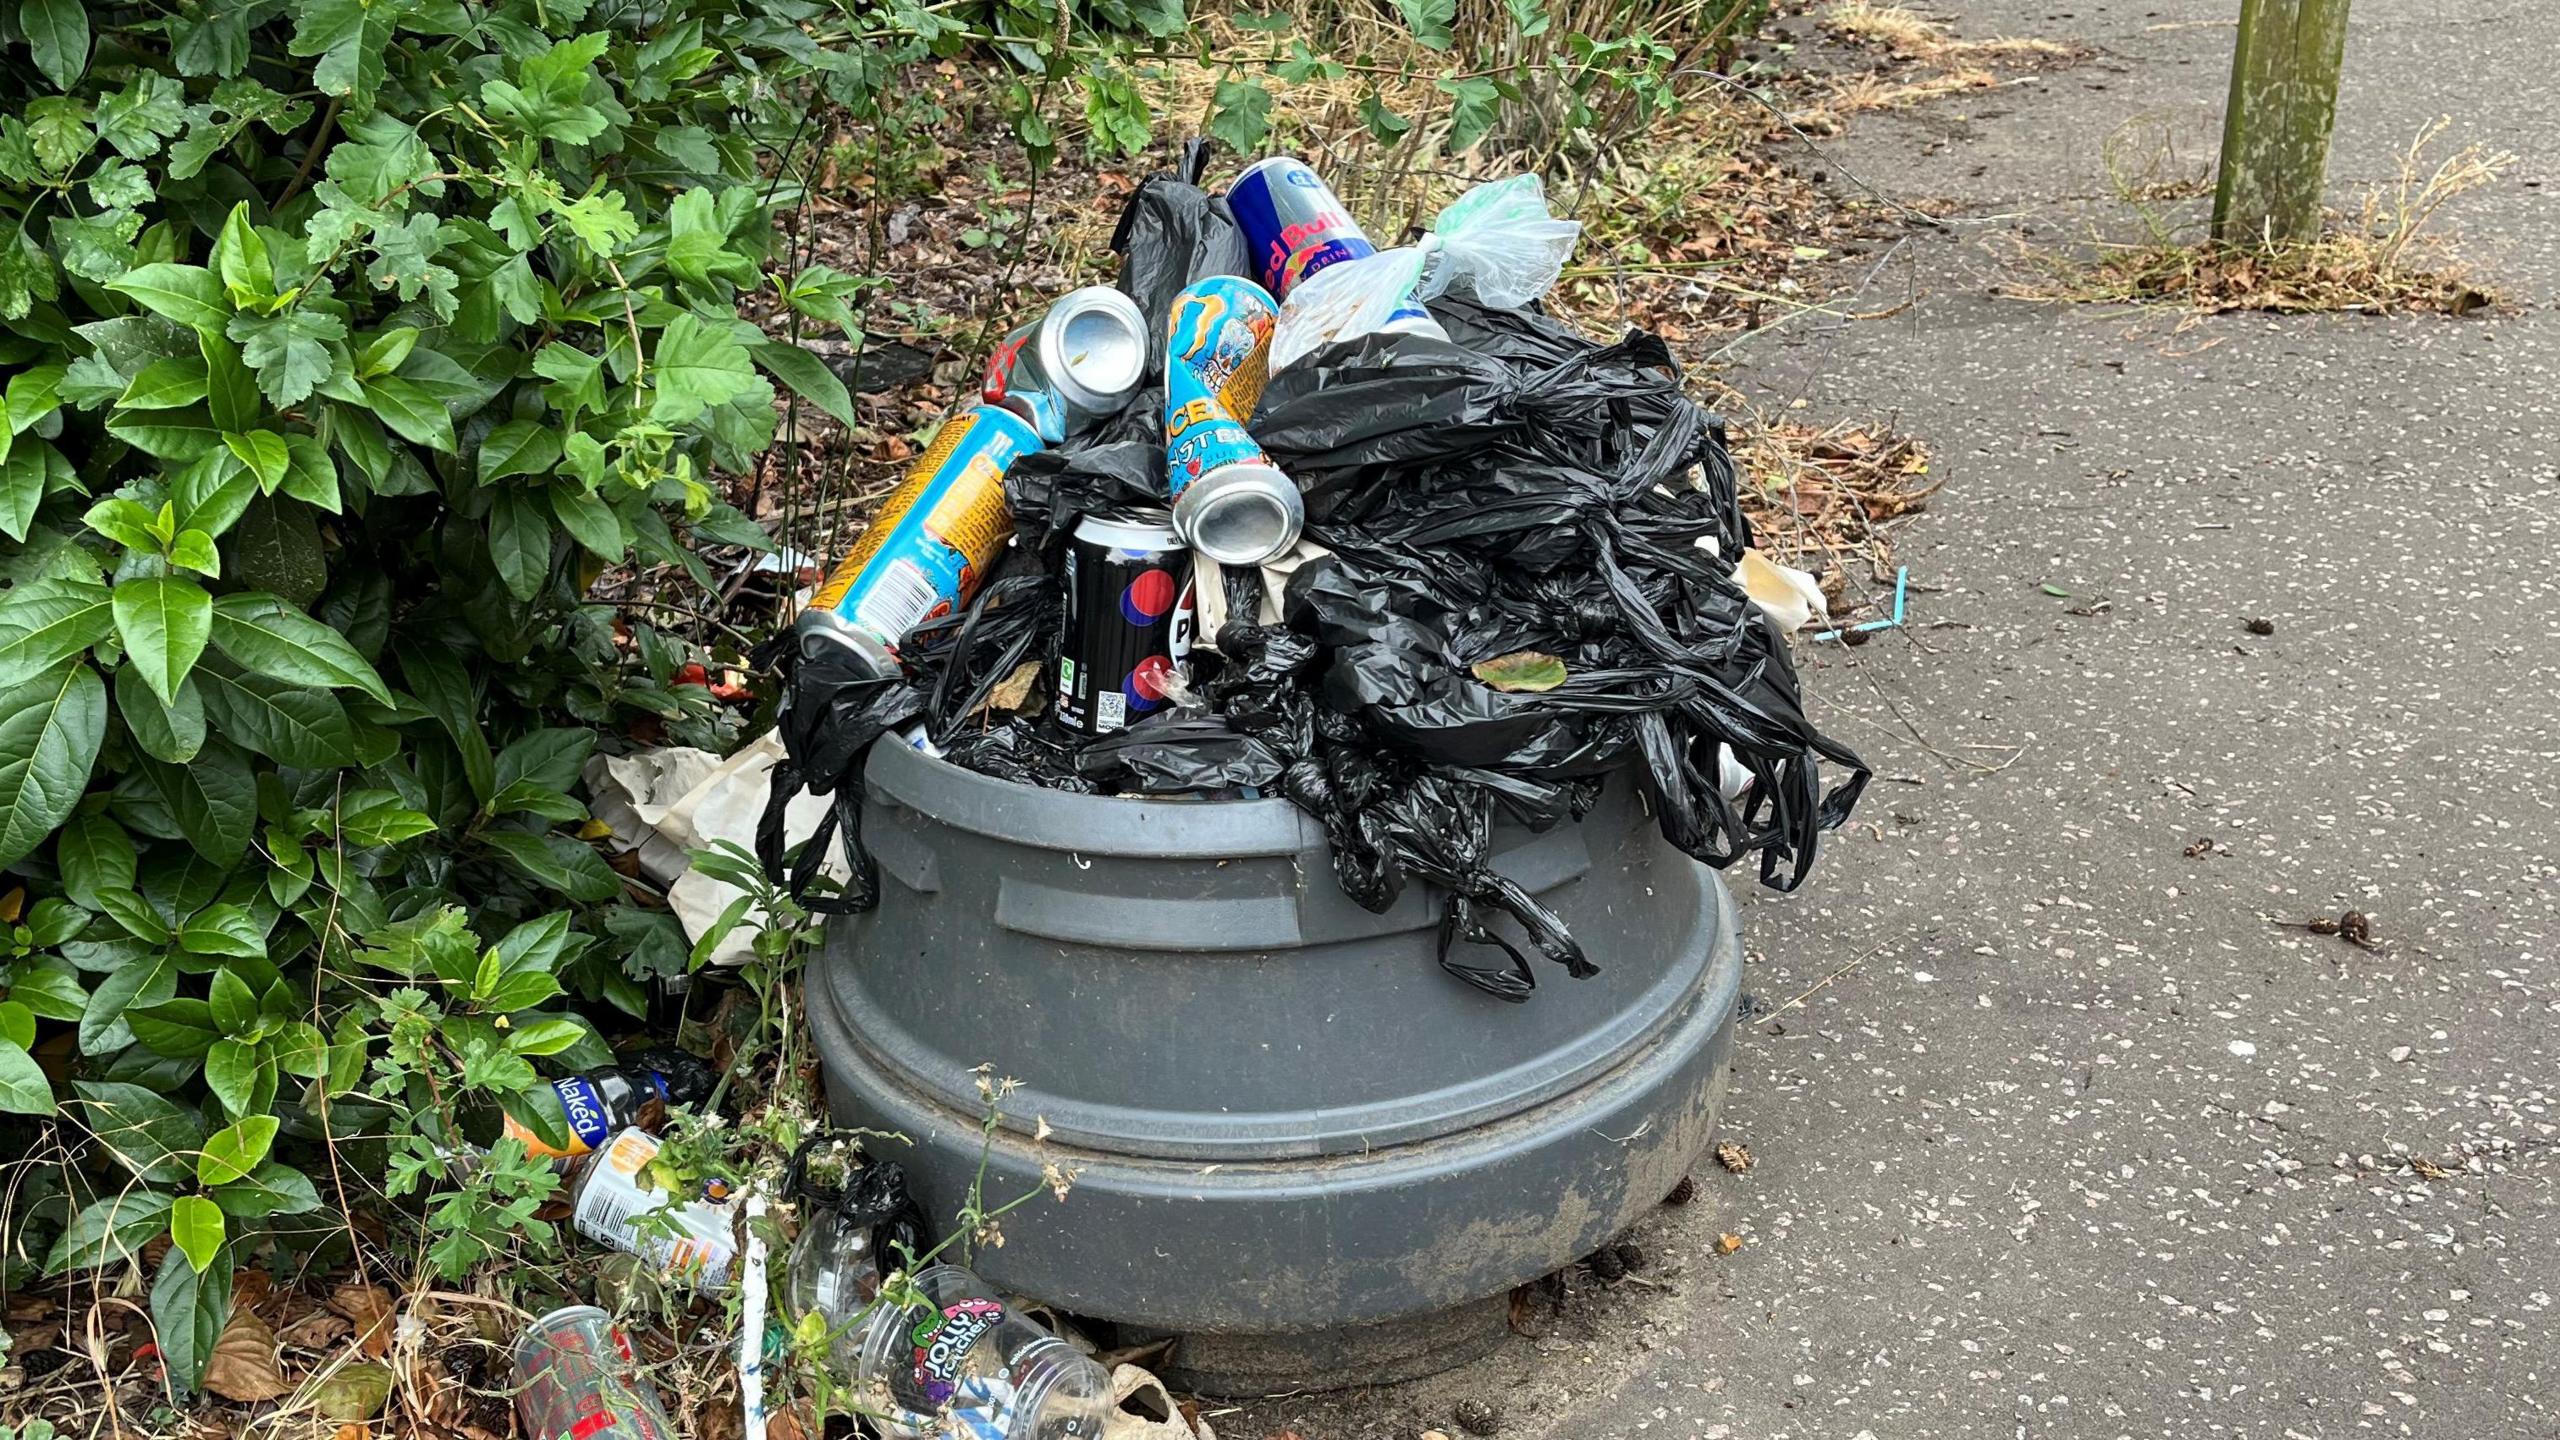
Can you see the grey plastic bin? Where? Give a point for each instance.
(1283, 1115)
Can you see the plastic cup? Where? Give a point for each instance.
(579, 1381)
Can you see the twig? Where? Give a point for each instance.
(1854, 962)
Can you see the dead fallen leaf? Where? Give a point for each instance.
(1728, 1243)
(251, 1289)
(243, 1364)
(2428, 1169)
(357, 1431)
(368, 1308)
(24, 1307)
(316, 1330)
(1733, 1155)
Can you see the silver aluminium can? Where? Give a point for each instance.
(1079, 362)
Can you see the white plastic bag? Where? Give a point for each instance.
(1496, 242)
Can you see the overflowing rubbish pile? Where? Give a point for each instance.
(1284, 514)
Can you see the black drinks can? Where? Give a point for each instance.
(1128, 623)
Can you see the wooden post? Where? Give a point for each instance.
(2275, 134)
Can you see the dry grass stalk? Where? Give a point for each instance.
(2388, 257)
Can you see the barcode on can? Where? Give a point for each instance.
(899, 597)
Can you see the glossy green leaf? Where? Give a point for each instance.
(164, 622)
(174, 733)
(291, 724)
(411, 412)
(114, 1227)
(150, 1135)
(165, 385)
(195, 1227)
(233, 1153)
(223, 930)
(556, 862)
(23, 1088)
(190, 1304)
(264, 452)
(519, 447)
(50, 730)
(808, 377)
(520, 540)
(265, 635)
(214, 800)
(188, 294)
(57, 32)
(271, 1189)
(46, 621)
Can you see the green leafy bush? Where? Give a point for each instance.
(344, 342)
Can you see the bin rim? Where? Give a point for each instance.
(1087, 824)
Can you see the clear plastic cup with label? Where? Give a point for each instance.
(968, 1358)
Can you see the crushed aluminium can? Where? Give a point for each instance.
(1128, 621)
(1074, 365)
(929, 546)
(1230, 502)
(578, 1380)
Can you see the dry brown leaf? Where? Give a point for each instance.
(251, 1289)
(243, 1364)
(24, 1308)
(357, 1431)
(1728, 1243)
(316, 1329)
(369, 1307)
(1733, 1155)
(719, 1419)
(2429, 1169)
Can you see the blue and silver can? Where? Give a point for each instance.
(1293, 223)
(930, 544)
(1230, 502)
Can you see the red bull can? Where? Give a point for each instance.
(931, 543)
(1293, 223)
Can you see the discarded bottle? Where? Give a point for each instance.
(1230, 502)
(965, 1355)
(579, 1381)
(1128, 621)
(598, 1103)
(930, 544)
(694, 1241)
(1074, 365)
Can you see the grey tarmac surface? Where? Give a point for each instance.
(2079, 1139)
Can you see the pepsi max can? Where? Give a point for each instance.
(1128, 621)
(1293, 223)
